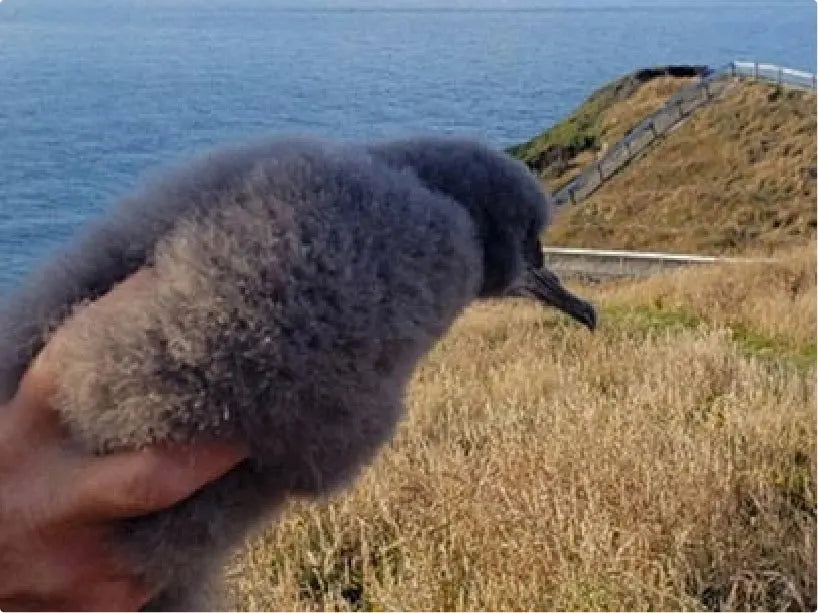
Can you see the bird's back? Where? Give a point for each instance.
(297, 284)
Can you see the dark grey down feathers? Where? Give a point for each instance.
(299, 282)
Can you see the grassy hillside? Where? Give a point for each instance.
(738, 176)
(665, 462)
(562, 151)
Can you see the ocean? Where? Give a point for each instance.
(94, 94)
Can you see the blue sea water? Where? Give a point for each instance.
(95, 93)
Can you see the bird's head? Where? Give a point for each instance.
(509, 209)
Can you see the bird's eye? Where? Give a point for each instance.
(534, 230)
(540, 258)
(533, 249)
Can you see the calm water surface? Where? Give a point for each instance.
(93, 94)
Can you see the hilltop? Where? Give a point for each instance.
(738, 176)
(563, 150)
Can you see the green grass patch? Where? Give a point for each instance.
(649, 319)
(749, 342)
(579, 132)
(758, 344)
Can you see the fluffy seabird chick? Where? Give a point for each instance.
(297, 284)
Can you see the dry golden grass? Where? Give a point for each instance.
(615, 121)
(734, 177)
(666, 462)
(776, 302)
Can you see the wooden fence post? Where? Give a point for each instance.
(572, 196)
(814, 82)
(599, 169)
(755, 73)
(780, 76)
(732, 69)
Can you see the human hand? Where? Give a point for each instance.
(58, 505)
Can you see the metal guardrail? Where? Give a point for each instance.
(608, 263)
(677, 108)
(773, 73)
(681, 258)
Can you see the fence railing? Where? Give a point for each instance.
(609, 263)
(776, 74)
(676, 108)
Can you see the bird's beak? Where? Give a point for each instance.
(546, 287)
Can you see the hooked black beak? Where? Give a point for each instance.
(546, 287)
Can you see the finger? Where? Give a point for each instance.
(141, 482)
(112, 583)
(25, 427)
(29, 416)
(40, 382)
(126, 594)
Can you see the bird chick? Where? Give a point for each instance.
(296, 285)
